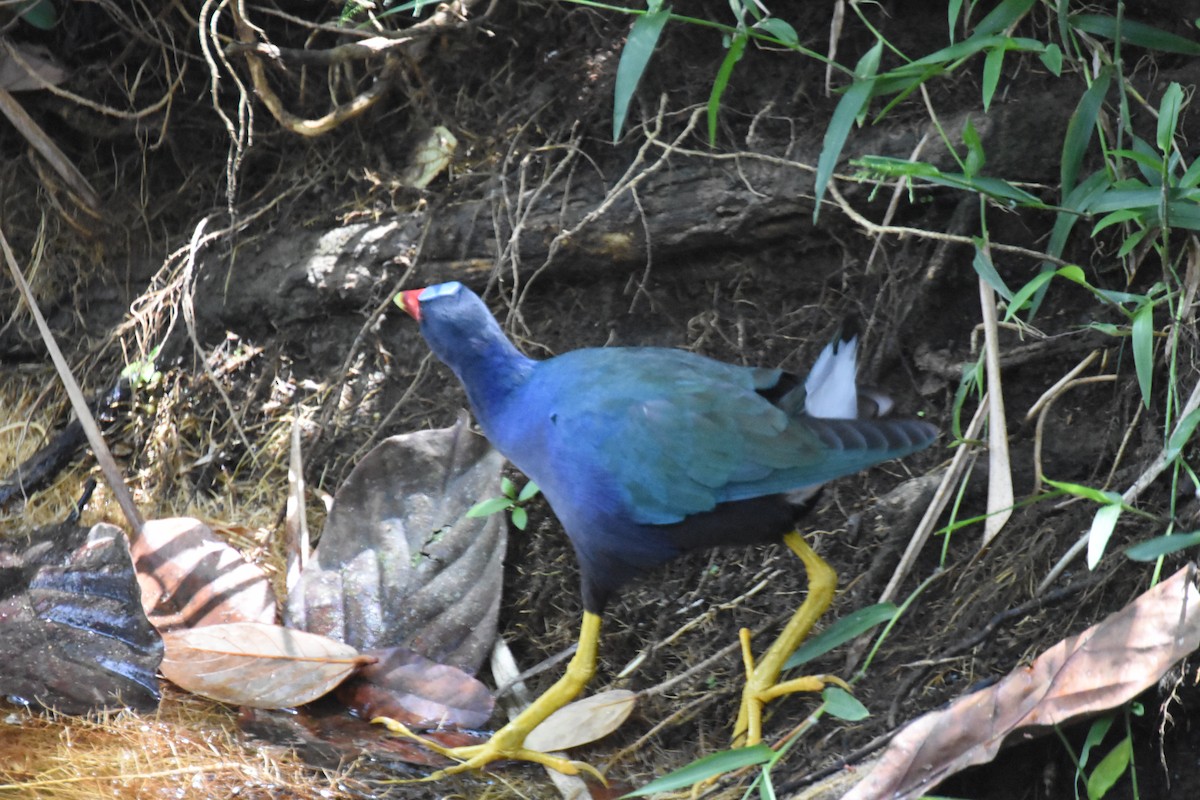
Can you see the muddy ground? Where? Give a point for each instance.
(276, 289)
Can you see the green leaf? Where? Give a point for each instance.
(41, 14)
(1022, 296)
(639, 46)
(1081, 127)
(848, 627)
(843, 705)
(1116, 218)
(1168, 116)
(987, 270)
(508, 488)
(1191, 178)
(1180, 436)
(993, 62)
(1052, 58)
(486, 507)
(1132, 241)
(1143, 348)
(707, 767)
(994, 188)
(1151, 549)
(1145, 160)
(975, 156)
(1184, 214)
(1136, 33)
(1103, 525)
(780, 30)
(1125, 196)
(736, 47)
(1095, 736)
(853, 101)
(1110, 769)
(953, 10)
(1086, 492)
(520, 518)
(528, 492)
(1003, 17)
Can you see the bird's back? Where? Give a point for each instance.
(661, 434)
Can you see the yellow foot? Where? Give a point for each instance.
(763, 686)
(508, 743)
(762, 679)
(501, 746)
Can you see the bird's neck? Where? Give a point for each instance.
(491, 371)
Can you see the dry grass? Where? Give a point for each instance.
(190, 748)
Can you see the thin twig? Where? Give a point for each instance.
(112, 474)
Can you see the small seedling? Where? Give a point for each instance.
(511, 501)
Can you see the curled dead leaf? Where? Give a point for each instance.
(257, 665)
(1105, 666)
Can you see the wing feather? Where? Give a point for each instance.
(674, 433)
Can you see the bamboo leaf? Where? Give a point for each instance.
(1003, 17)
(848, 627)
(779, 29)
(1081, 127)
(1136, 33)
(707, 767)
(1180, 436)
(1143, 348)
(987, 270)
(1152, 549)
(639, 46)
(992, 64)
(1103, 525)
(1086, 492)
(736, 47)
(853, 101)
(1168, 116)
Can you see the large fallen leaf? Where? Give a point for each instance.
(72, 633)
(257, 665)
(1102, 668)
(326, 737)
(399, 562)
(408, 687)
(190, 577)
(583, 721)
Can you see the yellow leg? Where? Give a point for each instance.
(762, 679)
(509, 741)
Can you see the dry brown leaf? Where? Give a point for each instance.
(406, 686)
(400, 563)
(1102, 668)
(190, 577)
(257, 665)
(583, 721)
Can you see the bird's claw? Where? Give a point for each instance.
(498, 748)
(763, 686)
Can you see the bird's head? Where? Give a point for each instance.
(455, 322)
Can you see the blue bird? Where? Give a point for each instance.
(646, 453)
